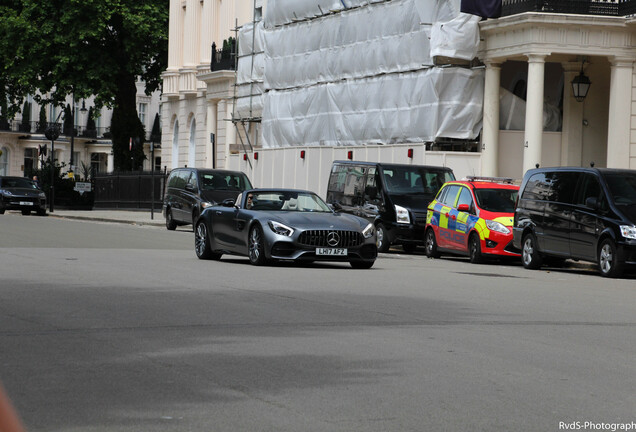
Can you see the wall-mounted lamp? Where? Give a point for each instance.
(350, 155)
(581, 85)
(83, 109)
(302, 154)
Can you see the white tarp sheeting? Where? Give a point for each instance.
(351, 72)
(409, 107)
(381, 38)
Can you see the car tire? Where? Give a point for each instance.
(431, 244)
(202, 243)
(256, 246)
(362, 264)
(1, 212)
(530, 256)
(382, 239)
(170, 223)
(474, 249)
(409, 248)
(608, 261)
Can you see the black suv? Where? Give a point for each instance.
(190, 190)
(586, 214)
(20, 193)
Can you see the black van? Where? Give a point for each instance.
(586, 214)
(190, 190)
(394, 197)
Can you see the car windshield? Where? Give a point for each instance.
(623, 188)
(497, 200)
(416, 180)
(224, 181)
(285, 201)
(17, 183)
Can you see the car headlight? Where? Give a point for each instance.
(206, 204)
(7, 193)
(402, 215)
(628, 231)
(368, 231)
(497, 226)
(280, 229)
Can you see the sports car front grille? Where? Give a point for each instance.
(321, 238)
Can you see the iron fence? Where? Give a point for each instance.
(583, 7)
(129, 190)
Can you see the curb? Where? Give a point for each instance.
(102, 219)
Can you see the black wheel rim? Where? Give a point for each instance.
(255, 248)
(200, 239)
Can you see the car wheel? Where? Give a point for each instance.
(202, 243)
(608, 261)
(1, 211)
(170, 223)
(26, 212)
(362, 264)
(382, 239)
(474, 249)
(431, 245)
(530, 256)
(409, 247)
(256, 246)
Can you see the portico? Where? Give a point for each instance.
(600, 129)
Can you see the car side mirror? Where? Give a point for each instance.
(464, 208)
(228, 203)
(592, 202)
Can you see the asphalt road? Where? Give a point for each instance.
(109, 327)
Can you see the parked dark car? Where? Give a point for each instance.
(586, 214)
(191, 190)
(284, 224)
(394, 197)
(19, 193)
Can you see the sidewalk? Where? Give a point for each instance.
(134, 217)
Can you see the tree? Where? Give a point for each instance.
(155, 134)
(42, 120)
(89, 47)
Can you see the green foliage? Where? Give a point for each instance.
(26, 113)
(67, 127)
(90, 121)
(85, 48)
(65, 195)
(42, 120)
(155, 134)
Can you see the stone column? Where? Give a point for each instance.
(230, 136)
(490, 135)
(175, 36)
(110, 163)
(572, 130)
(620, 107)
(533, 140)
(191, 37)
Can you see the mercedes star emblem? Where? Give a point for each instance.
(333, 238)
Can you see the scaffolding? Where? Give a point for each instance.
(248, 86)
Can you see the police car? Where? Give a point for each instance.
(472, 217)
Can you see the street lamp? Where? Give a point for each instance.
(52, 133)
(82, 110)
(580, 85)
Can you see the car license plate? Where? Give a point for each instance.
(26, 203)
(331, 251)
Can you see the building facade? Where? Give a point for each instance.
(197, 101)
(22, 139)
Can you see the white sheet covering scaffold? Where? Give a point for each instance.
(352, 72)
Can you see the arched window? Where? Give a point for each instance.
(175, 145)
(4, 161)
(193, 146)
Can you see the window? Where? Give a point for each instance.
(465, 197)
(590, 187)
(52, 113)
(30, 161)
(337, 178)
(141, 111)
(4, 161)
(450, 196)
(563, 185)
(537, 188)
(158, 163)
(622, 187)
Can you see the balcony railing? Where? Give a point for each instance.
(222, 59)
(37, 128)
(583, 7)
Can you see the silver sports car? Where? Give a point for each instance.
(284, 224)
